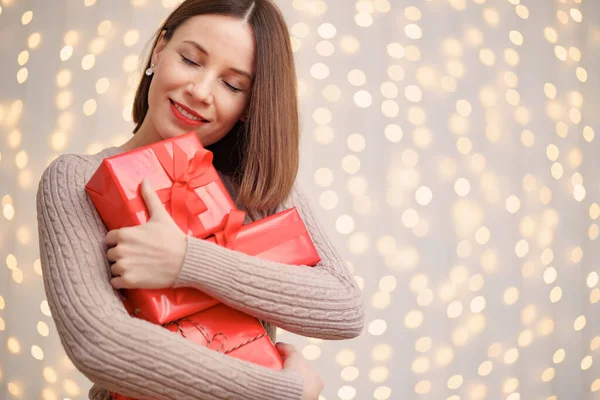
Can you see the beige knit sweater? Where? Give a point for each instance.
(142, 360)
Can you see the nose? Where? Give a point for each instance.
(201, 89)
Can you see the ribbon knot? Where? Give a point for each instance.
(187, 175)
(233, 223)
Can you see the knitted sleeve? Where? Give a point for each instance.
(323, 301)
(117, 352)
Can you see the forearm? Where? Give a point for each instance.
(310, 301)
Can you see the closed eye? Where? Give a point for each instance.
(232, 88)
(187, 60)
(191, 63)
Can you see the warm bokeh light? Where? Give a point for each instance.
(455, 176)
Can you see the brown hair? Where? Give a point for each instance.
(262, 154)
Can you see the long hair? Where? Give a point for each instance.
(261, 154)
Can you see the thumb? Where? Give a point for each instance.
(285, 349)
(155, 206)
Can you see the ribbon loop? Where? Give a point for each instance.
(233, 223)
(187, 175)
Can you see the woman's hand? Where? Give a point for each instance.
(147, 256)
(294, 360)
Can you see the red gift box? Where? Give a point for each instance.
(229, 331)
(280, 237)
(181, 172)
(160, 306)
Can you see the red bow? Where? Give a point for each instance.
(233, 223)
(186, 176)
(259, 236)
(181, 200)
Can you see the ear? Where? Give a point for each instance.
(160, 45)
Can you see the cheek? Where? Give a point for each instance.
(233, 108)
(169, 77)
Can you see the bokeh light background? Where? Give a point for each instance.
(449, 147)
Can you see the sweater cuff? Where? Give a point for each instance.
(206, 265)
(289, 386)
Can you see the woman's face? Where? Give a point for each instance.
(202, 78)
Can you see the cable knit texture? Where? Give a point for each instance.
(138, 359)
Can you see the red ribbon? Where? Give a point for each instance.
(255, 244)
(208, 338)
(187, 175)
(233, 223)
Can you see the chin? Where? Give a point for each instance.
(168, 132)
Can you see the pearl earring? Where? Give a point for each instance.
(149, 70)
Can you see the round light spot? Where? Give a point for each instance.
(319, 71)
(349, 44)
(350, 374)
(327, 31)
(511, 356)
(413, 31)
(351, 164)
(485, 368)
(13, 345)
(395, 50)
(345, 357)
(88, 62)
(325, 48)
(344, 224)
(363, 19)
(382, 352)
(413, 319)
(462, 187)
(511, 295)
(363, 99)
(423, 387)
(393, 133)
(377, 327)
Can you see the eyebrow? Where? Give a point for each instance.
(203, 50)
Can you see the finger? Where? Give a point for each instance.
(124, 235)
(112, 237)
(119, 282)
(114, 254)
(155, 206)
(285, 349)
(117, 269)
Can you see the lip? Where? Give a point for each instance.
(185, 119)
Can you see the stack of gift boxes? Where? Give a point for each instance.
(182, 173)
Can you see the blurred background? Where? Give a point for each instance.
(449, 146)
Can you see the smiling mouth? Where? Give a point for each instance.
(191, 116)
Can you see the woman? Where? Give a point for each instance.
(224, 69)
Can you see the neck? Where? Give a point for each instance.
(144, 136)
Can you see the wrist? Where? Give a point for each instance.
(181, 244)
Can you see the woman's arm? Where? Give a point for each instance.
(124, 354)
(323, 301)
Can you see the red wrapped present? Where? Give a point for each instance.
(229, 331)
(280, 237)
(160, 306)
(181, 172)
